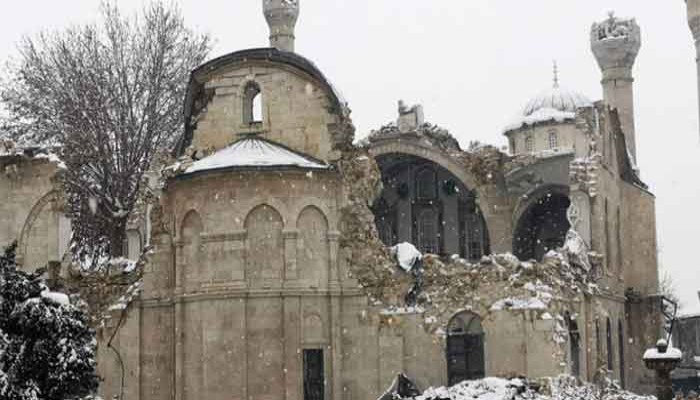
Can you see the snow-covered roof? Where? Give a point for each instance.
(255, 152)
(556, 104)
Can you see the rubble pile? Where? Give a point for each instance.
(500, 282)
(367, 259)
(559, 388)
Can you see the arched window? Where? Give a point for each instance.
(553, 139)
(428, 231)
(608, 332)
(426, 187)
(252, 104)
(476, 236)
(574, 344)
(529, 144)
(598, 341)
(465, 348)
(621, 350)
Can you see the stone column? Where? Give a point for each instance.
(615, 43)
(334, 275)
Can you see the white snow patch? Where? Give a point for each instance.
(55, 297)
(406, 254)
(402, 310)
(254, 152)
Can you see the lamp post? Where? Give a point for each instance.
(663, 359)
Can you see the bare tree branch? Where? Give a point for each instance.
(110, 95)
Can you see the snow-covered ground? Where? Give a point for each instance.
(561, 388)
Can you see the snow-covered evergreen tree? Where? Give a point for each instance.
(47, 349)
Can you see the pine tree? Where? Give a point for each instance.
(47, 349)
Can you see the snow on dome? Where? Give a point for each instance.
(555, 104)
(254, 152)
(557, 98)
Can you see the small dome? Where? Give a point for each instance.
(556, 104)
(556, 98)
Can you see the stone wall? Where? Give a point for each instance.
(30, 210)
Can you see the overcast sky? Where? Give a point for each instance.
(473, 64)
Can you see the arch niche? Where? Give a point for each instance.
(312, 250)
(33, 245)
(465, 348)
(190, 255)
(429, 205)
(542, 223)
(264, 246)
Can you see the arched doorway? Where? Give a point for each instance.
(542, 226)
(425, 204)
(465, 348)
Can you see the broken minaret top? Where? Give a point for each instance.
(410, 119)
(281, 16)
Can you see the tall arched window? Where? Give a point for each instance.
(608, 332)
(553, 139)
(574, 344)
(252, 104)
(621, 350)
(529, 144)
(428, 231)
(598, 341)
(465, 348)
(426, 187)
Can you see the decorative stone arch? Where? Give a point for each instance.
(437, 156)
(526, 228)
(258, 201)
(410, 147)
(528, 199)
(33, 215)
(320, 206)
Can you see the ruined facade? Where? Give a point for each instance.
(271, 275)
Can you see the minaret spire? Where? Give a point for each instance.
(556, 74)
(281, 16)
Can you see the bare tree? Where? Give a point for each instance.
(110, 95)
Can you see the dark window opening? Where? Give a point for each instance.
(598, 342)
(314, 380)
(621, 350)
(252, 104)
(465, 348)
(609, 344)
(574, 344)
(426, 205)
(428, 232)
(426, 187)
(542, 227)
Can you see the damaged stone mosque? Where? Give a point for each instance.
(284, 262)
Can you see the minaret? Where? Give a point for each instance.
(615, 43)
(694, 23)
(281, 16)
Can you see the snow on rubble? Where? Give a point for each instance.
(492, 388)
(55, 297)
(406, 254)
